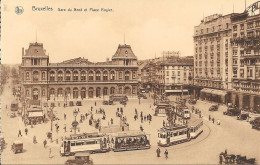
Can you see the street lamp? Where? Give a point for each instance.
(75, 123)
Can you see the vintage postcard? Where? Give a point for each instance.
(88, 82)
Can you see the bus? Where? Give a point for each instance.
(131, 140)
(171, 135)
(86, 142)
(195, 128)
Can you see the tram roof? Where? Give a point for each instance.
(83, 136)
(129, 133)
(195, 123)
(172, 128)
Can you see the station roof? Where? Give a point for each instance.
(125, 52)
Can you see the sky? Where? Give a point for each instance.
(149, 26)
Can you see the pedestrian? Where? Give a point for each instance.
(213, 120)
(218, 122)
(20, 133)
(95, 103)
(65, 116)
(44, 143)
(111, 121)
(166, 154)
(65, 128)
(26, 131)
(163, 123)
(209, 118)
(34, 140)
(158, 151)
(144, 118)
(141, 128)
(78, 110)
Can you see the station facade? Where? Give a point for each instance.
(77, 78)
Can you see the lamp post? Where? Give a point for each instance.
(75, 123)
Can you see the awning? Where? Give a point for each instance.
(214, 91)
(176, 91)
(35, 114)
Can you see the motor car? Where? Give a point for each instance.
(17, 146)
(81, 158)
(243, 116)
(71, 103)
(232, 112)
(213, 108)
(78, 103)
(192, 101)
(257, 119)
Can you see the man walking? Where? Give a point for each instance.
(20, 133)
(26, 131)
(158, 151)
(166, 154)
(44, 143)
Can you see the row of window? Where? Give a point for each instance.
(83, 75)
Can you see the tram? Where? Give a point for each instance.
(131, 140)
(186, 113)
(196, 128)
(171, 135)
(86, 142)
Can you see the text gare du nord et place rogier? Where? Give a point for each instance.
(47, 8)
(86, 9)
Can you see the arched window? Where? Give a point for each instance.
(98, 75)
(43, 92)
(91, 75)
(83, 75)
(105, 91)
(27, 75)
(43, 76)
(35, 76)
(112, 90)
(112, 73)
(52, 92)
(68, 75)
(60, 92)
(83, 92)
(105, 75)
(75, 93)
(60, 76)
(75, 76)
(127, 75)
(52, 76)
(27, 93)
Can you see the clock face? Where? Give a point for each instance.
(35, 51)
(126, 52)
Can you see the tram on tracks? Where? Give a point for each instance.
(196, 128)
(131, 140)
(86, 142)
(99, 143)
(172, 135)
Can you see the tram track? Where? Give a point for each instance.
(191, 144)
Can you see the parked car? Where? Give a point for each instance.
(78, 103)
(243, 116)
(256, 120)
(17, 147)
(232, 112)
(79, 159)
(213, 108)
(71, 103)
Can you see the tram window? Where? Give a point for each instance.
(175, 134)
(80, 143)
(185, 132)
(91, 142)
(171, 134)
(181, 132)
(73, 144)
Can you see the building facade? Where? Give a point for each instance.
(246, 60)
(174, 77)
(77, 78)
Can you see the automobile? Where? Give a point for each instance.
(123, 102)
(232, 112)
(17, 146)
(192, 101)
(213, 108)
(243, 116)
(257, 119)
(71, 103)
(256, 124)
(78, 103)
(105, 102)
(81, 158)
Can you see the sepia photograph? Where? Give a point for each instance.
(90, 82)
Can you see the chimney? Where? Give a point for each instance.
(22, 51)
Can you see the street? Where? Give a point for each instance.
(235, 136)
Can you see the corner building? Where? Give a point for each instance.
(77, 78)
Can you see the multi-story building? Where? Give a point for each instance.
(246, 60)
(77, 78)
(212, 57)
(149, 75)
(174, 77)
